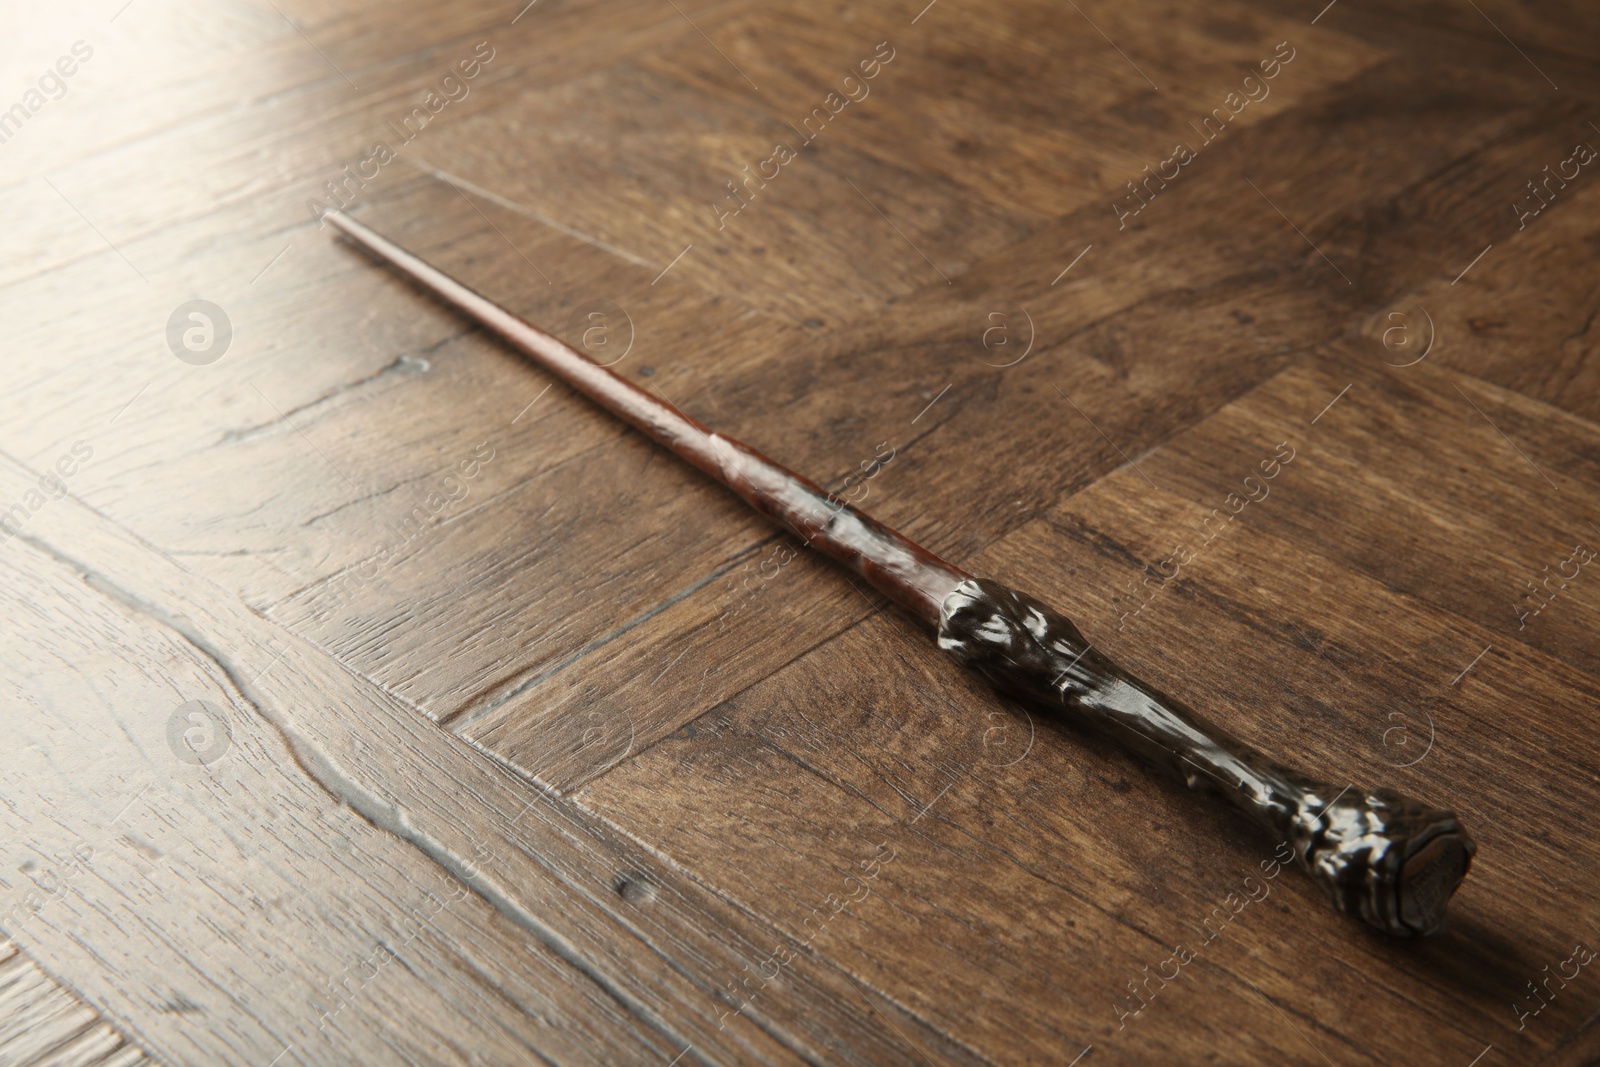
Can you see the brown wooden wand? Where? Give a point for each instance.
(1390, 860)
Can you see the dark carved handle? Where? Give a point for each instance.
(1392, 861)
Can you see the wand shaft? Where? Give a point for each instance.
(899, 568)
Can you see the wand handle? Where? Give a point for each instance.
(1377, 855)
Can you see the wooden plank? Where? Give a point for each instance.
(812, 247)
(1061, 876)
(43, 1025)
(266, 135)
(323, 925)
(337, 825)
(976, 96)
(1488, 315)
(1477, 524)
(1248, 291)
(1555, 38)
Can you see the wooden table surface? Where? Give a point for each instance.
(369, 698)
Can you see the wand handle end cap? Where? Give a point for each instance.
(1389, 860)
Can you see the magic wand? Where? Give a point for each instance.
(1392, 861)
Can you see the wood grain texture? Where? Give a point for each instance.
(734, 810)
(46, 1026)
(261, 885)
